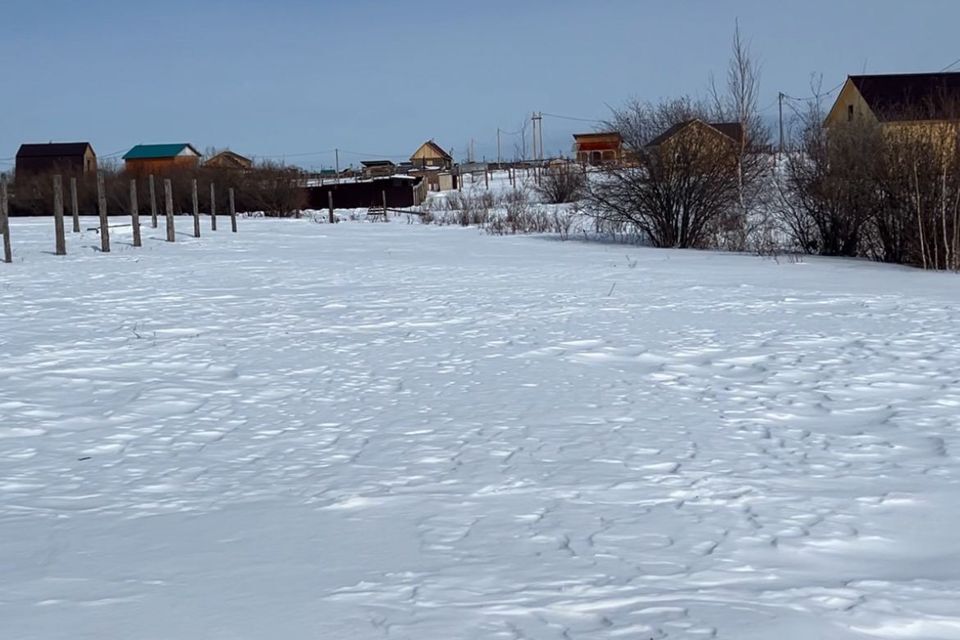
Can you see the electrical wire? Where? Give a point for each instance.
(554, 115)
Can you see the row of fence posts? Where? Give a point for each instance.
(58, 212)
(511, 176)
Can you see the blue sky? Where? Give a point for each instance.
(294, 79)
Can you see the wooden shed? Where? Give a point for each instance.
(145, 159)
(430, 154)
(229, 160)
(378, 168)
(66, 158)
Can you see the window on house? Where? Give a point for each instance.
(849, 112)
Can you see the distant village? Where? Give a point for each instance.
(708, 181)
(878, 98)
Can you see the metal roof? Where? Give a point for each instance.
(157, 151)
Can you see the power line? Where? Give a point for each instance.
(296, 155)
(815, 97)
(770, 106)
(554, 115)
(373, 155)
(950, 65)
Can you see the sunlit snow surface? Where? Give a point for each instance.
(372, 430)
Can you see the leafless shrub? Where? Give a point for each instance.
(561, 184)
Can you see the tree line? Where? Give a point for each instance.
(270, 188)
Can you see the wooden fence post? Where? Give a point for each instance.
(61, 241)
(74, 205)
(168, 195)
(153, 203)
(213, 207)
(233, 211)
(486, 178)
(196, 210)
(102, 206)
(5, 220)
(386, 216)
(330, 205)
(135, 214)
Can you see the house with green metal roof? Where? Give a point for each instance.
(146, 159)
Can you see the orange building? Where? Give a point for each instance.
(146, 159)
(598, 148)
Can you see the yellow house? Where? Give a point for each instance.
(721, 137)
(430, 154)
(911, 103)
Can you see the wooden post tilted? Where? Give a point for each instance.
(330, 205)
(5, 220)
(233, 211)
(213, 207)
(196, 210)
(61, 241)
(135, 214)
(168, 196)
(153, 203)
(74, 205)
(102, 206)
(385, 216)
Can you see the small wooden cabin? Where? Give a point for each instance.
(430, 154)
(146, 159)
(65, 158)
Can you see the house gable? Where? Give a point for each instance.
(722, 132)
(430, 150)
(849, 105)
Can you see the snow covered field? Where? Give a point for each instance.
(405, 431)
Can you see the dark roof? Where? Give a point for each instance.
(668, 133)
(911, 96)
(157, 151)
(732, 130)
(597, 134)
(53, 150)
(377, 163)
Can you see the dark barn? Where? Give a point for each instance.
(401, 191)
(67, 158)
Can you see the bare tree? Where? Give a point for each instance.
(678, 191)
(739, 103)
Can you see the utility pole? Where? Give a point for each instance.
(499, 159)
(337, 155)
(540, 132)
(780, 101)
(533, 140)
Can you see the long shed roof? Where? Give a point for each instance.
(158, 151)
(53, 150)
